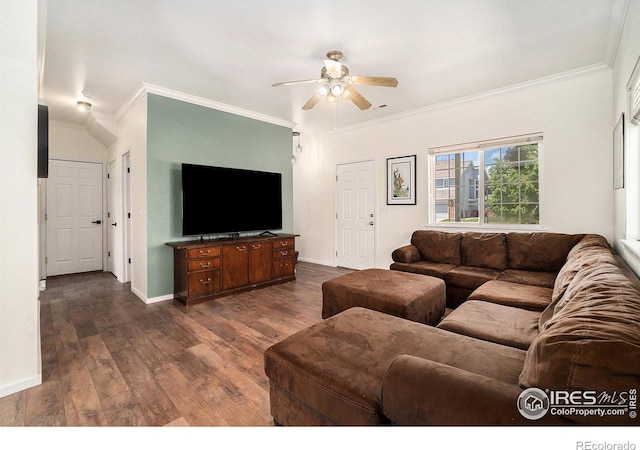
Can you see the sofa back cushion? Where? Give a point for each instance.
(438, 246)
(545, 252)
(487, 250)
(593, 341)
(591, 250)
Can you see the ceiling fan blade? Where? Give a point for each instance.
(289, 83)
(312, 102)
(357, 99)
(334, 68)
(374, 81)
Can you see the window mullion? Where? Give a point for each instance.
(481, 189)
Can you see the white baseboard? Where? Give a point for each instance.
(21, 386)
(315, 261)
(148, 301)
(162, 298)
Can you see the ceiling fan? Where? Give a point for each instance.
(336, 83)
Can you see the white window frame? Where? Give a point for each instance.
(481, 146)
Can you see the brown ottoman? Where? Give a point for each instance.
(420, 298)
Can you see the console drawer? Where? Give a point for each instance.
(203, 264)
(283, 243)
(204, 283)
(203, 252)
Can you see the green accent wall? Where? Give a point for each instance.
(180, 132)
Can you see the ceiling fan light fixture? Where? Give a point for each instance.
(336, 87)
(323, 90)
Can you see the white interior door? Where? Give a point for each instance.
(355, 198)
(112, 219)
(127, 212)
(74, 217)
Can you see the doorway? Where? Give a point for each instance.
(355, 206)
(74, 217)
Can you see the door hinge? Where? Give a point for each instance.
(336, 253)
(108, 214)
(108, 175)
(336, 177)
(128, 215)
(128, 169)
(129, 260)
(109, 254)
(46, 260)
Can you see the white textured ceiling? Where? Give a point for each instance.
(231, 52)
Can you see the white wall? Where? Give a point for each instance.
(573, 111)
(132, 138)
(73, 142)
(627, 200)
(20, 364)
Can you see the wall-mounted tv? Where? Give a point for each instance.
(225, 200)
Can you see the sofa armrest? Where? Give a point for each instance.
(407, 254)
(416, 391)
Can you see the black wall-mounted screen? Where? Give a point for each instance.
(225, 200)
(43, 141)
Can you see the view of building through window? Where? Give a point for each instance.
(488, 186)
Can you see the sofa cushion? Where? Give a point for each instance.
(470, 277)
(406, 254)
(529, 277)
(593, 341)
(545, 252)
(438, 246)
(589, 241)
(484, 250)
(336, 366)
(590, 256)
(506, 325)
(587, 256)
(534, 298)
(424, 268)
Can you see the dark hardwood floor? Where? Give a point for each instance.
(110, 360)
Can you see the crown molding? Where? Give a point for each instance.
(146, 88)
(514, 87)
(616, 26)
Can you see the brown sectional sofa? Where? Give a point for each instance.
(579, 333)
(467, 260)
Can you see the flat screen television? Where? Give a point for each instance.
(225, 200)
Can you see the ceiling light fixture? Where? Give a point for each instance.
(336, 88)
(83, 105)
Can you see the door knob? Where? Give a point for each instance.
(97, 222)
(371, 223)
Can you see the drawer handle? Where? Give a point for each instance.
(205, 266)
(284, 243)
(284, 252)
(203, 253)
(256, 246)
(207, 281)
(241, 248)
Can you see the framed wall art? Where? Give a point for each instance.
(401, 180)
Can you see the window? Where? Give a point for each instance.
(492, 183)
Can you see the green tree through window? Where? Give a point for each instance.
(512, 185)
(491, 185)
